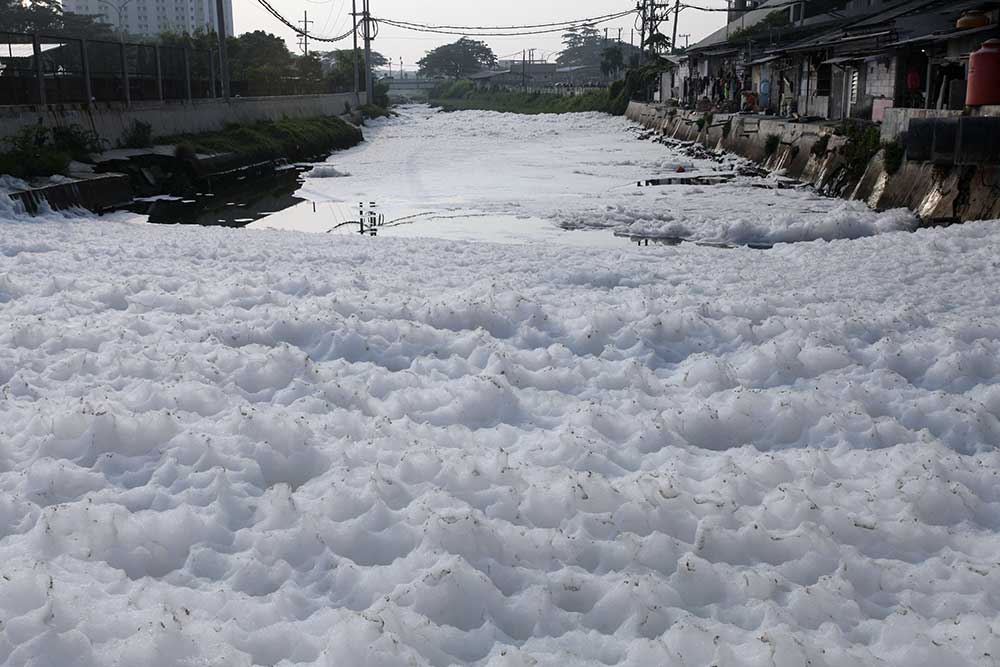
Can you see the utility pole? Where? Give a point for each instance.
(619, 36)
(642, 34)
(524, 70)
(304, 37)
(357, 68)
(223, 57)
(677, 13)
(368, 53)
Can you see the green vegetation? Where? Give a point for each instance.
(526, 103)
(138, 135)
(294, 139)
(49, 18)
(863, 142)
(821, 146)
(727, 129)
(458, 59)
(40, 151)
(374, 111)
(771, 144)
(775, 20)
(893, 156)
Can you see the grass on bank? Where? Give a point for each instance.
(462, 95)
(527, 103)
(290, 138)
(40, 151)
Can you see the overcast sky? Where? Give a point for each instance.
(332, 17)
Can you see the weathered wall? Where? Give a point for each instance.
(111, 120)
(897, 121)
(934, 192)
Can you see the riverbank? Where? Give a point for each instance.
(525, 103)
(172, 165)
(850, 163)
(462, 95)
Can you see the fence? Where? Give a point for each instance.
(40, 69)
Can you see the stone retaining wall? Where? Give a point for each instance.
(936, 193)
(112, 120)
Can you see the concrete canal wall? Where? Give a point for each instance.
(111, 120)
(815, 154)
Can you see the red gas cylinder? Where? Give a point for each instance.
(984, 75)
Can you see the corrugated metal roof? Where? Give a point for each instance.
(24, 50)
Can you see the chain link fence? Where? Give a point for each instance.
(41, 69)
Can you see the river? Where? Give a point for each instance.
(571, 179)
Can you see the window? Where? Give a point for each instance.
(855, 81)
(824, 80)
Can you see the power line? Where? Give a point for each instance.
(468, 33)
(472, 31)
(297, 30)
(602, 18)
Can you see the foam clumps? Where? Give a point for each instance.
(235, 447)
(583, 171)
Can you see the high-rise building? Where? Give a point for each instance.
(152, 17)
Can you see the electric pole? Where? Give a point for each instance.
(642, 33)
(677, 11)
(223, 56)
(524, 70)
(357, 69)
(304, 37)
(368, 53)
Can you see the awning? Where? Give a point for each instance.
(843, 59)
(762, 61)
(945, 36)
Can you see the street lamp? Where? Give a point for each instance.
(120, 9)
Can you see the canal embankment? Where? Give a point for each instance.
(64, 169)
(869, 164)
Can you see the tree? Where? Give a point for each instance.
(612, 61)
(258, 56)
(582, 47)
(47, 16)
(457, 60)
(338, 66)
(658, 43)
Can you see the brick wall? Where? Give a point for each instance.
(880, 78)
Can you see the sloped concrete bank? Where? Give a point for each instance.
(815, 154)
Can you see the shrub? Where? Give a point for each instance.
(771, 144)
(373, 111)
(380, 95)
(33, 152)
(78, 142)
(821, 146)
(863, 142)
(290, 138)
(138, 135)
(452, 90)
(893, 153)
